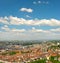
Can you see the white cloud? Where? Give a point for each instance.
(28, 36)
(4, 20)
(42, 22)
(18, 30)
(34, 2)
(5, 28)
(26, 10)
(40, 2)
(12, 34)
(45, 2)
(51, 22)
(15, 20)
(55, 30)
(33, 22)
(34, 30)
(39, 30)
(28, 16)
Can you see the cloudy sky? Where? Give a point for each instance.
(29, 19)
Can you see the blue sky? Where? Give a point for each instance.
(50, 10)
(22, 18)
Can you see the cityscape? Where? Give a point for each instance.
(30, 52)
(29, 31)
